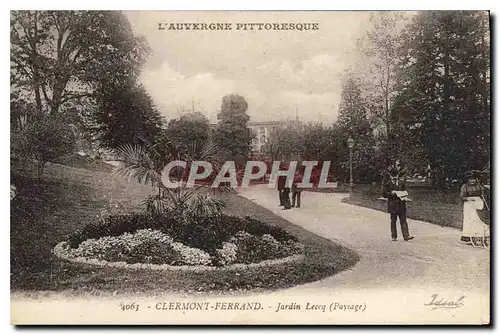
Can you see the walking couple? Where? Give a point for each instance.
(284, 191)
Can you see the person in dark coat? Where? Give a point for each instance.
(286, 198)
(296, 191)
(281, 187)
(396, 206)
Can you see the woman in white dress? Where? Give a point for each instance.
(472, 197)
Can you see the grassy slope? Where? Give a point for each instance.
(441, 208)
(45, 212)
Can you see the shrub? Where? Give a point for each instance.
(44, 138)
(210, 232)
(259, 228)
(191, 256)
(227, 254)
(254, 249)
(153, 252)
(116, 225)
(106, 248)
(203, 206)
(207, 233)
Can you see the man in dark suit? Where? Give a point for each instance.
(281, 187)
(296, 191)
(286, 198)
(284, 192)
(395, 205)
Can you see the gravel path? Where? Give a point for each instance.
(434, 259)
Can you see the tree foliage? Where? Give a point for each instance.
(443, 104)
(189, 128)
(353, 121)
(381, 47)
(286, 142)
(125, 114)
(83, 64)
(62, 56)
(232, 134)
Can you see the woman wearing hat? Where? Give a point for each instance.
(471, 194)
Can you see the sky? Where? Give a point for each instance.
(280, 73)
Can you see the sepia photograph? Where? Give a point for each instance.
(250, 167)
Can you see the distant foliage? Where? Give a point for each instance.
(232, 134)
(189, 129)
(353, 121)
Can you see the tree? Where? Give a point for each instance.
(443, 104)
(273, 145)
(125, 114)
(381, 46)
(286, 142)
(232, 134)
(62, 56)
(67, 62)
(317, 142)
(189, 129)
(353, 122)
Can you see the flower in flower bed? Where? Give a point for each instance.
(254, 249)
(143, 246)
(227, 254)
(293, 247)
(153, 252)
(191, 256)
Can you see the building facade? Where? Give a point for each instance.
(260, 130)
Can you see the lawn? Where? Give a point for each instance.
(438, 207)
(45, 211)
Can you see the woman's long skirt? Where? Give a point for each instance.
(473, 226)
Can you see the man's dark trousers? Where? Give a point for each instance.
(401, 213)
(396, 208)
(286, 197)
(296, 196)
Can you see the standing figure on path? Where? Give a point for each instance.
(296, 191)
(472, 195)
(396, 205)
(286, 197)
(281, 188)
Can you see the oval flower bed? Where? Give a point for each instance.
(139, 240)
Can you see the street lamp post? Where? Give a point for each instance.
(350, 144)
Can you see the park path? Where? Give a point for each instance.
(435, 259)
(393, 283)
